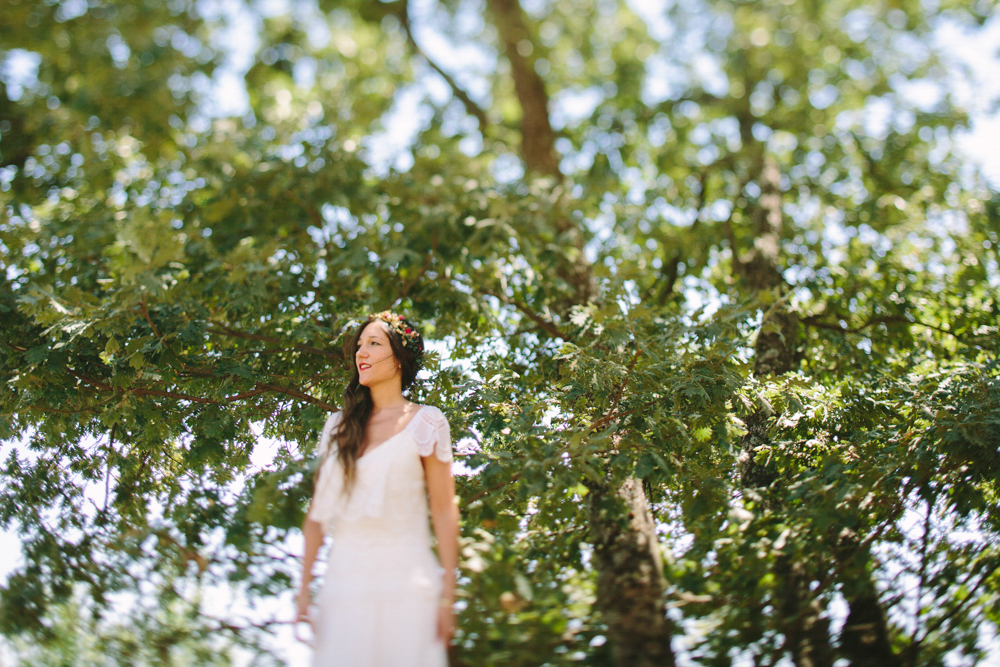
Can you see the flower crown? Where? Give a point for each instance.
(409, 336)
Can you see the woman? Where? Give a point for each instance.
(385, 601)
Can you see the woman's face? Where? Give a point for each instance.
(374, 358)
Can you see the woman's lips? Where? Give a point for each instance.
(364, 366)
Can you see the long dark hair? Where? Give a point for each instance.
(358, 399)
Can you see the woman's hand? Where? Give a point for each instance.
(302, 616)
(444, 514)
(313, 533)
(445, 621)
(303, 603)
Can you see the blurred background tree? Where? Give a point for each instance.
(713, 300)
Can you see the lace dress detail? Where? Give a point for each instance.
(432, 434)
(378, 604)
(326, 435)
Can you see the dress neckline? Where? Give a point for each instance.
(392, 437)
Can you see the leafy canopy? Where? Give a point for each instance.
(602, 261)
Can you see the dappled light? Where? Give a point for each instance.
(709, 291)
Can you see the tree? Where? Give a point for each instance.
(642, 467)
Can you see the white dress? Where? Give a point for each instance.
(379, 601)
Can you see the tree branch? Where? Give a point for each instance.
(628, 374)
(604, 421)
(543, 323)
(239, 629)
(471, 107)
(482, 494)
(420, 274)
(296, 394)
(56, 410)
(925, 543)
(223, 330)
(260, 388)
(669, 270)
(107, 470)
(886, 319)
(159, 337)
(970, 597)
(864, 544)
(590, 429)
(187, 554)
(149, 320)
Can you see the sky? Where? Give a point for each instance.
(973, 56)
(980, 53)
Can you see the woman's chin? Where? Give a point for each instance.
(371, 380)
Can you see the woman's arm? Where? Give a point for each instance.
(313, 533)
(444, 514)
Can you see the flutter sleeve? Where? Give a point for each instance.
(327, 484)
(326, 435)
(432, 433)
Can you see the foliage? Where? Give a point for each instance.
(167, 633)
(176, 290)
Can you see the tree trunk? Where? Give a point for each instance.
(807, 633)
(538, 140)
(775, 349)
(865, 637)
(630, 582)
(754, 474)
